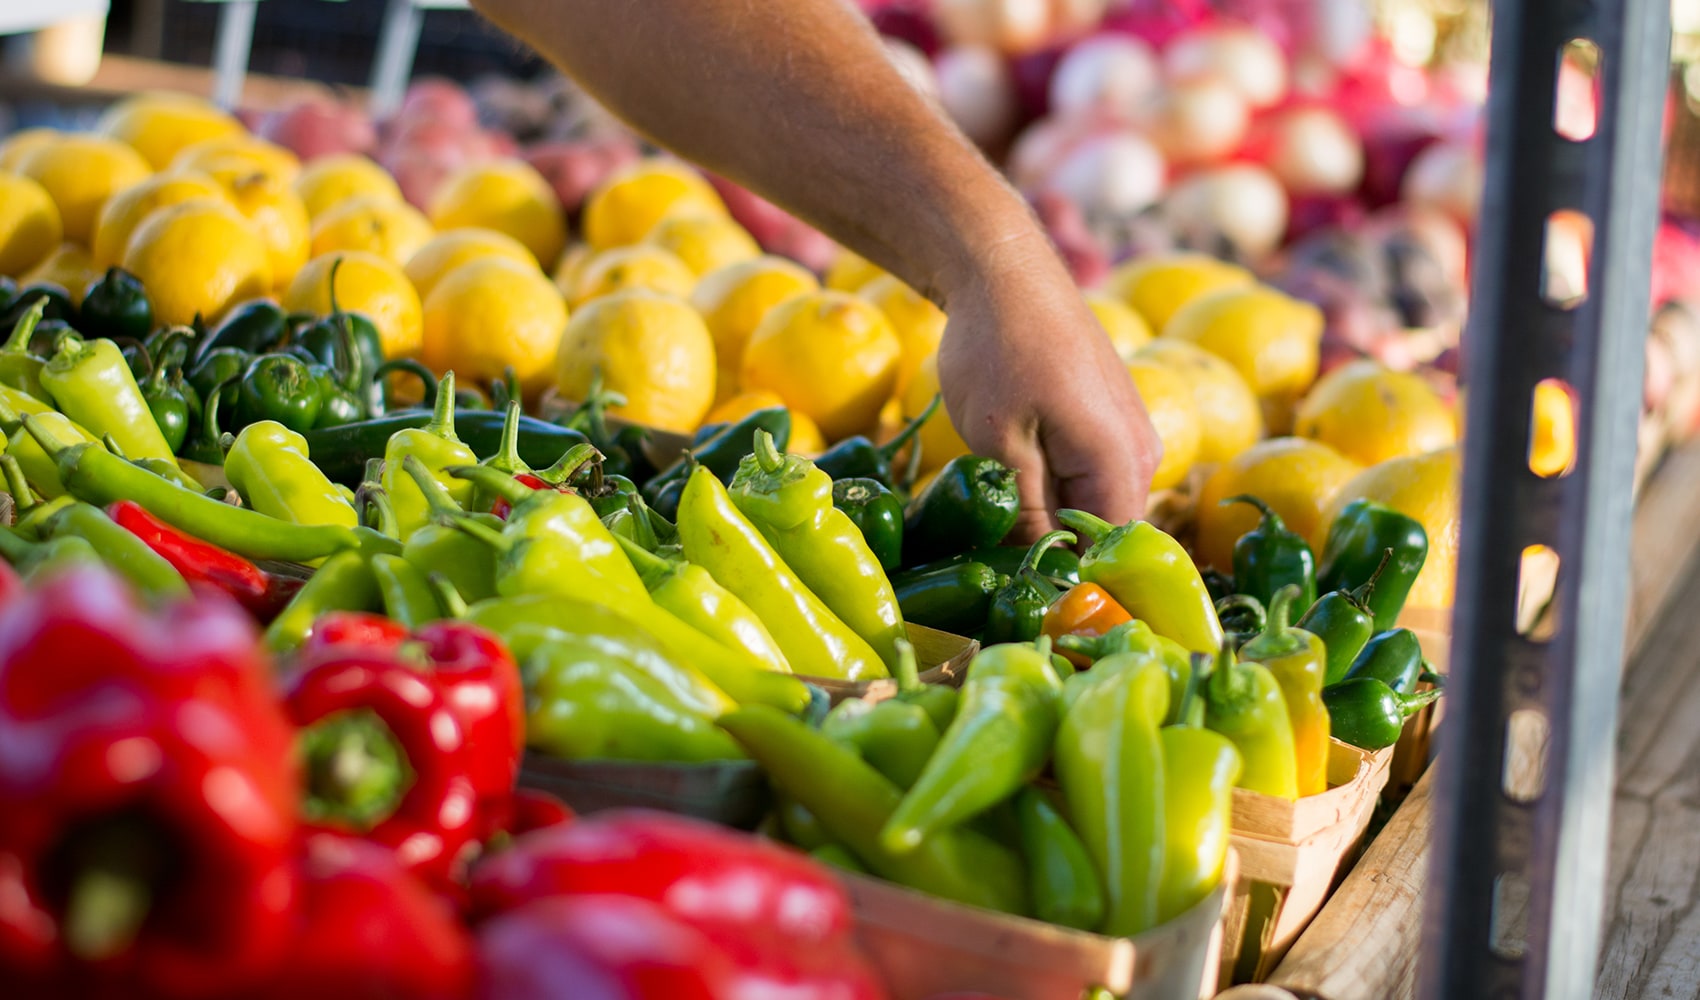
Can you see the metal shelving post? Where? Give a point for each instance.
(1519, 866)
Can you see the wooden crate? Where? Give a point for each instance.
(1290, 854)
(943, 658)
(924, 946)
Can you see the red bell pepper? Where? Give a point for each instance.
(476, 676)
(354, 778)
(199, 562)
(528, 810)
(147, 795)
(602, 947)
(370, 929)
(500, 507)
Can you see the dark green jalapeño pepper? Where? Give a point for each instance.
(1270, 556)
(115, 307)
(281, 388)
(877, 512)
(21, 368)
(951, 598)
(1059, 565)
(168, 404)
(1370, 715)
(254, 327)
(1357, 540)
(720, 454)
(58, 307)
(1018, 608)
(1394, 657)
(1341, 620)
(859, 458)
(971, 503)
(221, 366)
(896, 736)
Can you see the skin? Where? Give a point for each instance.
(796, 100)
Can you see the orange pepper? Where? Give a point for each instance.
(1086, 610)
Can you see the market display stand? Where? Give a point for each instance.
(1366, 943)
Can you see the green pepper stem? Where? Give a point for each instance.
(492, 481)
(653, 569)
(19, 341)
(1366, 590)
(372, 502)
(1411, 704)
(1276, 637)
(448, 596)
(570, 462)
(1271, 521)
(483, 532)
(1030, 561)
(426, 376)
(889, 450)
(1043, 645)
(767, 456)
(437, 497)
(14, 549)
(507, 457)
(50, 442)
(907, 671)
(16, 483)
(443, 413)
(1280, 610)
(1227, 680)
(1088, 526)
(1247, 603)
(69, 340)
(356, 771)
(10, 419)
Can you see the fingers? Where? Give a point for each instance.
(1038, 493)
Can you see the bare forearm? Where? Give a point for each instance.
(796, 100)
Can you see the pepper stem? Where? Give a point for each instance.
(1226, 683)
(443, 413)
(890, 449)
(1242, 604)
(483, 532)
(16, 484)
(1280, 610)
(1088, 526)
(1271, 521)
(373, 504)
(492, 481)
(448, 595)
(907, 671)
(426, 377)
(1411, 704)
(507, 457)
(1366, 590)
(50, 442)
(19, 341)
(356, 771)
(569, 464)
(767, 456)
(653, 569)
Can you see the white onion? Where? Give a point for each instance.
(977, 92)
(1316, 152)
(1243, 202)
(1109, 74)
(1200, 120)
(1242, 55)
(1043, 144)
(1447, 176)
(1113, 174)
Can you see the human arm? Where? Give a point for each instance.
(796, 100)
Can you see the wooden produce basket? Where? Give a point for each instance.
(924, 946)
(1290, 854)
(942, 656)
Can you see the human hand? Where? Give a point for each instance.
(1029, 378)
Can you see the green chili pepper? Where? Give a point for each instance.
(1394, 657)
(40, 560)
(1370, 715)
(789, 501)
(118, 549)
(720, 454)
(39, 467)
(1344, 623)
(853, 802)
(1270, 556)
(344, 582)
(207, 445)
(999, 741)
(896, 736)
(1357, 540)
(838, 857)
(1243, 702)
(438, 546)
(438, 449)
(583, 702)
(402, 588)
(1065, 887)
(691, 593)
(222, 367)
(1018, 608)
(269, 465)
(92, 384)
(1299, 663)
(59, 308)
(1112, 650)
(349, 345)
(116, 306)
(859, 458)
(19, 368)
(1150, 575)
(971, 503)
(877, 514)
(1109, 762)
(1200, 769)
(252, 327)
(169, 405)
(798, 825)
(952, 598)
(1059, 565)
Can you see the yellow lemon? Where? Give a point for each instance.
(1157, 287)
(507, 196)
(69, 267)
(491, 314)
(329, 181)
(734, 299)
(850, 271)
(940, 441)
(806, 438)
(446, 251)
(1424, 487)
(1552, 439)
(124, 211)
(918, 323)
(277, 215)
(1371, 414)
(1296, 477)
(640, 266)
(239, 154)
(80, 172)
(29, 224)
(1174, 416)
(1274, 341)
(365, 283)
(649, 347)
(570, 266)
(1127, 330)
(1230, 419)
(198, 258)
(625, 207)
(704, 241)
(394, 230)
(160, 125)
(13, 148)
(830, 356)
